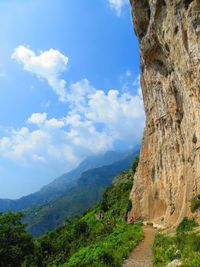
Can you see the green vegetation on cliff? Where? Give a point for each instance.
(195, 203)
(185, 246)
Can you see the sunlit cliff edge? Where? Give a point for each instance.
(168, 176)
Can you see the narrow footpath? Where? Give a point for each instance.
(142, 254)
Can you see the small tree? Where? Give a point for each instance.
(15, 243)
(134, 165)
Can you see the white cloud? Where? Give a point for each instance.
(94, 122)
(37, 118)
(119, 112)
(21, 144)
(55, 123)
(118, 5)
(78, 94)
(47, 65)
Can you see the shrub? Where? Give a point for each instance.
(107, 259)
(195, 203)
(194, 139)
(186, 225)
(134, 165)
(129, 206)
(81, 228)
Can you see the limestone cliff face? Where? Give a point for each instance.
(168, 175)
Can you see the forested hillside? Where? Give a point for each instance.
(85, 194)
(100, 237)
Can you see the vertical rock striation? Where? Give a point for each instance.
(168, 175)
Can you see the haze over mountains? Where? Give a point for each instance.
(72, 193)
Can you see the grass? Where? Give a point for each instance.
(111, 250)
(184, 246)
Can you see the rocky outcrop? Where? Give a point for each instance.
(168, 175)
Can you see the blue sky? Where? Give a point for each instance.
(69, 87)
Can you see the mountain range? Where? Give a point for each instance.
(70, 194)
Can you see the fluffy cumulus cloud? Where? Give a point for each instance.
(118, 5)
(95, 120)
(22, 143)
(37, 118)
(47, 65)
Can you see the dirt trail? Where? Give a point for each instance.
(142, 254)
